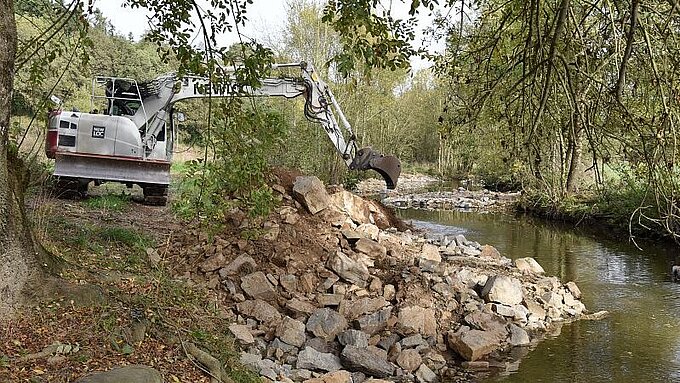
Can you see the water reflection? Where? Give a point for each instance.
(639, 342)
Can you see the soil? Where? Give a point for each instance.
(176, 302)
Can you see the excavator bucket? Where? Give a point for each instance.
(388, 167)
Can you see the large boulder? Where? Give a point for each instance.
(375, 322)
(430, 252)
(528, 265)
(473, 344)
(503, 289)
(348, 269)
(419, 320)
(363, 360)
(311, 193)
(260, 310)
(363, 306)
(409, 360)
(352, 205)
(310, 359)
(354, 338)
(370, 248)
(242, 333)
(126, 374)
(242, 262)
(257, 286)
(292, 332)
(326, 323)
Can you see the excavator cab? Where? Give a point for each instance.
(388, 167)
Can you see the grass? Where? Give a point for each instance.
(111, 202)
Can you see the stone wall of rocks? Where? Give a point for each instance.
(381, 304)
(462, 199)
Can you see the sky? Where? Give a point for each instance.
(265, 17)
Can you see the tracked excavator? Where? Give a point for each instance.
(130, 139)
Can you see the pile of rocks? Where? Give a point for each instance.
(462, 199)
(408, 183)
(377, 303)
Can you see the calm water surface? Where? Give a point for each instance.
(638, 342)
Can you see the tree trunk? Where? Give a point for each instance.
(574, 159)
(20, 260)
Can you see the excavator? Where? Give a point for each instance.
(130, 140)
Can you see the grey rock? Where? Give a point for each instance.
(375, 322)
(213, 263)
(321, 345)
(260, 310)
(329, 299)
(474, 344)
(363, 306)
(242, 262)
(242, 333)
(291, 331)
(326, 323)
(310, 359)
(348, 269)
(518, 336)
(387, 341)
(425, 375)
(418, 319)
(311, 193)
(528, 265)
(268, 368)
(370, 247)
(289, 282)
(126, 374)
(503, 289)
(257, 286)
(573, 289)
(354, 338)
(412, 341)
(363, 360)
(300, 307)
(250, 360)
(409, 360)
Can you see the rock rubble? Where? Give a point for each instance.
(352, 301)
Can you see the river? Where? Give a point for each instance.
(638, 342)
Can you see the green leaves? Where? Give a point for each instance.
(373, 39)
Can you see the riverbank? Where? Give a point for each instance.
(325, 288)
(615, 215)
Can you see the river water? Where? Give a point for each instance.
(638, 342)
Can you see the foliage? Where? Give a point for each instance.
(242, 138)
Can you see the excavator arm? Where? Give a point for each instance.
(321, 107)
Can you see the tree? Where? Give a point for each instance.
(20, 260)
